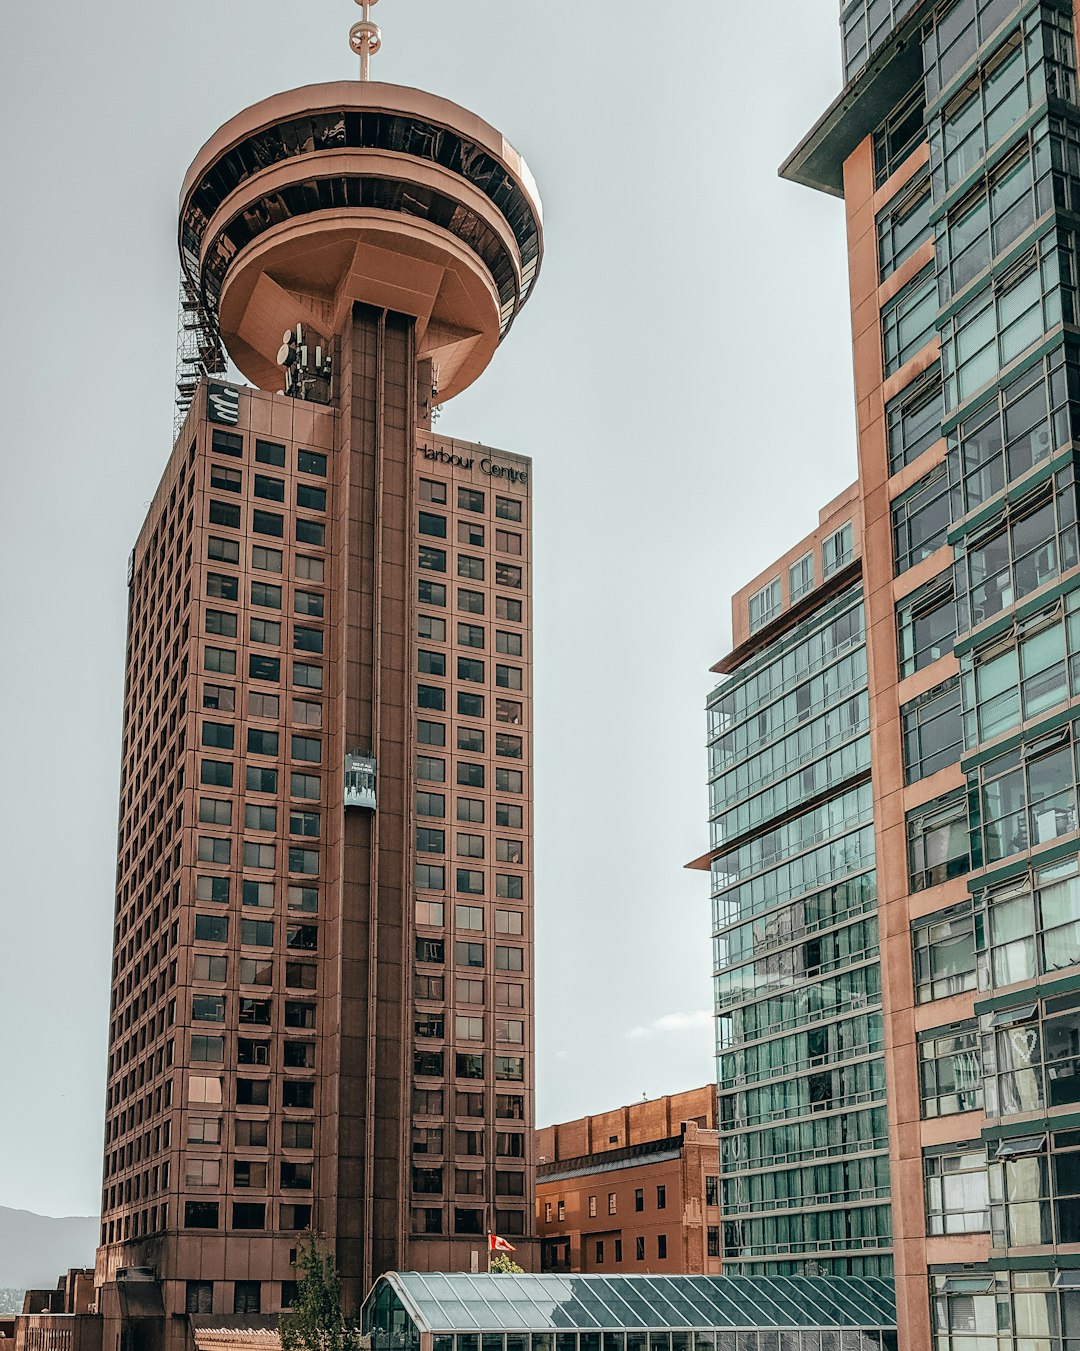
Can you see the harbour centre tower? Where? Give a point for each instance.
(321, 1010)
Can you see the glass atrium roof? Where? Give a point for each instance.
(455, 1303)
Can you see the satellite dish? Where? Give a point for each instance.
(287, 336)
(286, 355)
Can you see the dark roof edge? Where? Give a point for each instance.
(818, 160)
(787, 619)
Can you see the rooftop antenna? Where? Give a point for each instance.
(365, 38)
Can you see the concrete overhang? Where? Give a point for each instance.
(818, 160)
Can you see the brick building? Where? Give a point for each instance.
(634, 1190)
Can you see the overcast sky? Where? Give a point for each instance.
(681, 378)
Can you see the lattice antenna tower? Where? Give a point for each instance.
(199, 352)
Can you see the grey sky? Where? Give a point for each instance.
(681, 377)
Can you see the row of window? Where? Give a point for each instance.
(248, 1215)
(837, 550)
(308, 497)
(432, 951)
(267, 452)
(247, 1174)
(789, 662)
(1025, 1194)
(469, 1065)
(470, 602)
(468, 1027)
(470, 533)
(269, 523)
(467, 1222)
(1019, 1060)
(1007, 934)
(469, 499)
(836, 1135)
(467, 566)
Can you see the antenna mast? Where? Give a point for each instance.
(365, 38)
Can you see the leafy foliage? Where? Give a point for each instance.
(315, 1322)
(502, 1264)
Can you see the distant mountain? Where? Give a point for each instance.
(35, 1250)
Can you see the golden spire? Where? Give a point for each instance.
(365, 38)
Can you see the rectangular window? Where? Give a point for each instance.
(430, 804)
(914, 418)
(801, 577)
(273, 489)
(311, 462)
(933, 731)
(265, 560)
(507, 574)
(227, 443)
(431, 593)
(473, 568)
(920, 520)
(268, 523)
(432, 524)
(310, 532)
(837, 550)
(429, 877)
(937, 837)
(470, 635)
(470, 499)
(220, 697)
(471, 533)
(904, 225)
(764, 605)
(508, 609)
(894, 140)
(950, 1070)
(1000, 322)
(224, 513)
(309, 498)
(944, 952)
(432, 560)
(223, 550)
(221, 587)
(957, 1190)
(926, 625)
(269, 452)
(507, 509)
(908, 320)
(1015, 428)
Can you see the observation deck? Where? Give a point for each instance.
(361, 191)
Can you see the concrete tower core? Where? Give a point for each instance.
(322, 1000)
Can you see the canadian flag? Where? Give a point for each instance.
(497, 1244)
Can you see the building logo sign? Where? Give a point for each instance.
(360, 772)
(223, 404)
(486, 464)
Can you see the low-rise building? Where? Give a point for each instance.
(634, 1190)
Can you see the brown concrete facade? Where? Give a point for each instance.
(311, 983)
(892, 799)
(322, 1011)
(632, 1191)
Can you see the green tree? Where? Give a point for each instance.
(315, 1322)
(502, 1264)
